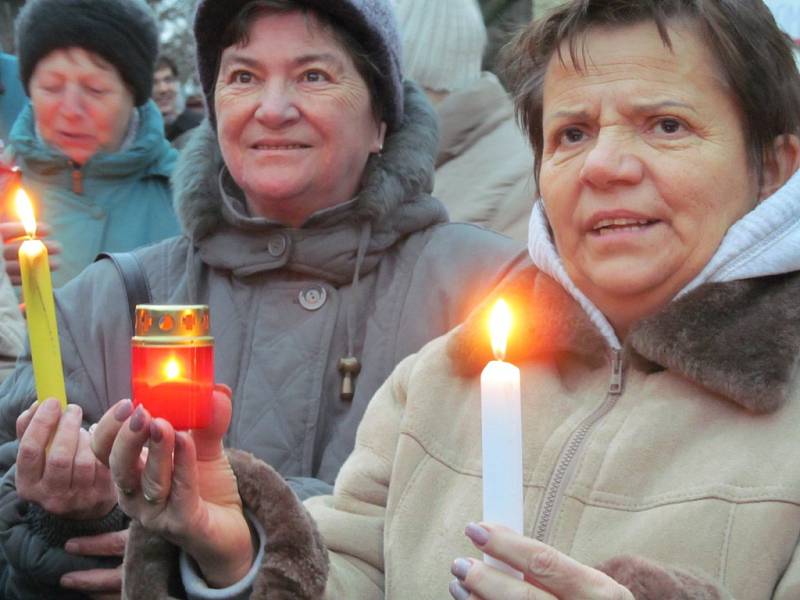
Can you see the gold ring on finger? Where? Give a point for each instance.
(150, 499)
(127, 492)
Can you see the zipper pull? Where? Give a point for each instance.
(77, 180)
(615, 385)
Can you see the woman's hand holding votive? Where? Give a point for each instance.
(180, 485)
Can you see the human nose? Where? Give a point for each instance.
(611, 161)
(276, 106)
(71, 102)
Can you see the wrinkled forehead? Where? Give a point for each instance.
(680, 57)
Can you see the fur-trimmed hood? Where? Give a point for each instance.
(396, 184)
(740, 339)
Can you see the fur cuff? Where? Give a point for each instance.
(648, 580)
(295, 559)
(295, 562)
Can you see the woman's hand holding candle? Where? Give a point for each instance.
(13, 234)
(56, 468)
(548, 573)
(183, 487)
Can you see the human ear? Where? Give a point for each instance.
(781, 165)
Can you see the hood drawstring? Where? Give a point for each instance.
(77, 178)
(350, 366)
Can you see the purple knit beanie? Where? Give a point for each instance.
(371, 22)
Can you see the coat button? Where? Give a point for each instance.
(276, 245)
(313, 298)
(98, 213)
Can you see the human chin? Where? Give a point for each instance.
(271, 189)
(629, 275)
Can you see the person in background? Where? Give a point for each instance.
(167, 96)
(90, 143)
(484, 162)
(12, 95)
(12, 326)
(309, 230)
(657, 336)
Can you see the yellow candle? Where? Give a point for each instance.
(40, 311)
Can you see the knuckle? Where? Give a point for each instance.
(544, 562)
(118, 543)
(84, 467)
(58, 462)
(28, 452)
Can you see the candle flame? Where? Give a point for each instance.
(499, 328)
(172, 369)
(25, 212)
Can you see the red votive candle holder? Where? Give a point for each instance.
(172, 371)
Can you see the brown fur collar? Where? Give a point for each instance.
(647, 580)
(738, 339)
(295, 565)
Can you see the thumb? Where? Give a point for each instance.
(208, 441)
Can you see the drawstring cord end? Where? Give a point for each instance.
(349, 367)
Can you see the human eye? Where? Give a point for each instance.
(315, 76)
(50, 86)
(569, 136)
(240, 76)
(669, 126)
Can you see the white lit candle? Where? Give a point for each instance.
(501, 427)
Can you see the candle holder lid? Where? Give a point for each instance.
(172, 324)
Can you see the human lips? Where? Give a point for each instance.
(608, 224)
(75, 136)
(277, 145)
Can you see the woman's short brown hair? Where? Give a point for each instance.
(754, 56)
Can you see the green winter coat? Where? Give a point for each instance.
(115, 202)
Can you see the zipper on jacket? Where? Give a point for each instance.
(77, 178)
(566, 463)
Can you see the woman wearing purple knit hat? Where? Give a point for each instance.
(657, 342)
(310, 231)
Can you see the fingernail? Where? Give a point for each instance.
(123, 410)
(92, 428)
(477, 534)
(458, 591)
(155, 432)
(221, 387)
(51, 405)
(137, 420)
(460, 568)
(74, 409)
(71, 547)
(67, 581)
